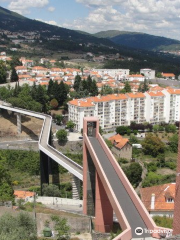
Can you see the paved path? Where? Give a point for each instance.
(132, 214)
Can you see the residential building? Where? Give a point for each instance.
(25, 195)
(121, 147)
(136, 107)
(118, 74)
(172, 104)
(138, 77)
(121, 109)
(159, 200)
(148, 73)
(155, 105)
(168, 76)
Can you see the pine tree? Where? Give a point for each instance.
(14, 76)
(94, 89)
(50, 89)
(77, 83)
(127, 87)
(89, 83)
(2, 72)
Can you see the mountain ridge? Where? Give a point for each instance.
(140, 40)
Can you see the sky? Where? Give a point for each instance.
(156, 17)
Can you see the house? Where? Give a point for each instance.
(159, 200)
(121, 147)
(39, 70)
(25, 195)
(168, 76)
(24, 77)
(21, 69)
(148, 73)
(138, 77)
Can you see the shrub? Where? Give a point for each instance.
(164, 221)
(54, 104)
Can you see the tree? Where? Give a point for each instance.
(2, 72)
(94, 89)
(62, 228)
(127, 87)
(133, 173)
(15, 62)
(54, 104)
(59, 119)
(170, 128)
(50, 89)
(62, 93)
(155, 128)
(41, 97)
(70, 125)
(50, 190)
(6, 190)
(105, 90)
(61, 135)
(152, 145)
(122, 130)
(133, 139)
(21, 227)
(143, 87)
(14, 76)
(77, 83)
(89, 83)
(109, 143)
(173, 143)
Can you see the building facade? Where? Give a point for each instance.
(121, 109)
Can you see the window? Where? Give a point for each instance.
(170, 200)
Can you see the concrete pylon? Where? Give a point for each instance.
(176, 219)
(18, 123)
(75, 188)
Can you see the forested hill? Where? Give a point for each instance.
(140, 40)
(14, 22)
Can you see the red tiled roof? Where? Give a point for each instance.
(156, 94)
(173, 91)
(118, 141)
(168, 75)
(161, 193)
(23, 194)
(136, 95)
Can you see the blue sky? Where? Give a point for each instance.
(157, 17)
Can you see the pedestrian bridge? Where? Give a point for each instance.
(105, 186)
(44, 145)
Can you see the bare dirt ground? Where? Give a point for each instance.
(31, 127)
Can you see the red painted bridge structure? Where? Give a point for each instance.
(107, 189)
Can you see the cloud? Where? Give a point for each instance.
(158, 17)
(52, 22)
(51, 9)
(23, 6)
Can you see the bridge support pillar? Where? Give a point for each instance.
(176, 219)
(103, 209)
(44, 168)
(18, 123)
(75, 188)
(88, 183)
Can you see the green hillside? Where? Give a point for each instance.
(140, 40)
(17, 23)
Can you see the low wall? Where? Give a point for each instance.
(58, 201)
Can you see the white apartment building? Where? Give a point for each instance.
(172, 104)
(121, 109)
(148, 73)
(118, 74)
(155, 105)
(136, 107)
